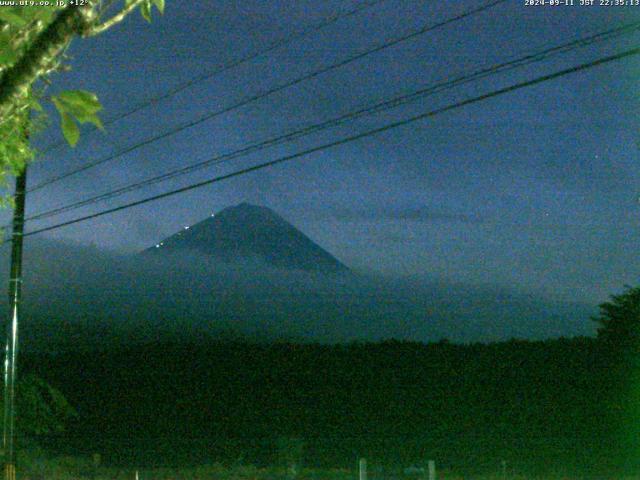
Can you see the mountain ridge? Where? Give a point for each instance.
(245, 232)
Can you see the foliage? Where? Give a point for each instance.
(80, 105)
(145, 8)
(18, 29)
(536, 404)
(41, 408)
(619, 320)
(33, 45)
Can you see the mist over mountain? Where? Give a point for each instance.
(245, 232)
(76, 295)
(114, 331)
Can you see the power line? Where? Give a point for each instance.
(372, 109)
(269, 92)
(349, 139)
(232, 64)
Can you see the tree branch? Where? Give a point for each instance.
(15, 81)
(117, 18)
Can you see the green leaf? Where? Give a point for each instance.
(58, 105)
(145, 10)
(95, 120)
(83, 116)
(159, 5)
(13, 17)
(8, 53)
(45, 14)
(80, 105)
(36, 105)
(70, 130)
(7, 56)
(42, 12)
(80, 100)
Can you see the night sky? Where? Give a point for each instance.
(536, 190)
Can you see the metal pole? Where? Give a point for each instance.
(362, 469)
(11, 349)
(431, 467)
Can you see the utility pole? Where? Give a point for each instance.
(11, 349)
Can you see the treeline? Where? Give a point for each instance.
(536, 405)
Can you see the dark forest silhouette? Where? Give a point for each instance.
(567, 403)
(536, 404)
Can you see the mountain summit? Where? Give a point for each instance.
(248, 231)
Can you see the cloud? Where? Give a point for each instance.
(419, 213)
(76, 295)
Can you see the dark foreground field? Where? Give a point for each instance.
(566, 406)
(67, 468)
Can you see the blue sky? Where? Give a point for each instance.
(536, 189)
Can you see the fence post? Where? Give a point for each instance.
(432, 469)
(362, 469)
